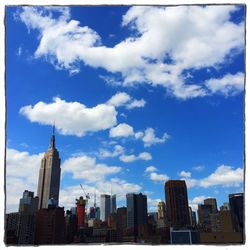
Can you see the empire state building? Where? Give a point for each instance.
(49, 175)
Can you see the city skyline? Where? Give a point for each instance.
(116, 128)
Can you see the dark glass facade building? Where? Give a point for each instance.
(236, 202)
(137, 210)
(177, 203)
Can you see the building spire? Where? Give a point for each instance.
(52, 140)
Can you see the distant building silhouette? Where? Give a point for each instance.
(49, 175)
(105, 207)
(236, 202)
(177, 203)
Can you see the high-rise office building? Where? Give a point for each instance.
(105, 207)
(137, 210)
(236, 202)
(213, 203)
(49, 175)
(28, 203)
(177, 203)
(113, 203)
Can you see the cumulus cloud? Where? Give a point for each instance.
(164, 43)
(72, 118)
(225, 176)
(123, 99)
(153, 176)
(86, 168)
(158, 177)
(130, 158)
(185, 174)
(121, 130)
(118, 150)
(20, 178)
(150, 169)
(148, 136)
(227, 85)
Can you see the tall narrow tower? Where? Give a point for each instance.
(49, 175)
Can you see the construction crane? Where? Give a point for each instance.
(86, 195)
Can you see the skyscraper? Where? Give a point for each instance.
(105, 207)
(113, 203)
(28, 203)
(177, 203)
(49, 175)
(236, 208)
(137, 210)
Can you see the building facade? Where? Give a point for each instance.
(236, 202)
(50, 226)
(105, 207)
(213, 203)
(113, 203)
(49, 176)
(137, 210)
(28, 203)
(177, 203)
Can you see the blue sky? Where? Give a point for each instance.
(139, 95)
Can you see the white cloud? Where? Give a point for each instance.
(150, 169)
(119, 99)
(185, 174)
(158, 177)
(123, 99)
(121, 130)
(20, 178)
(130, 158)
(225, 176)
(158, 54)
(227, 85)
(145, 156)
(71, 118)
(85, 167)
(118, 150)
(136, 104)
(149, 137)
